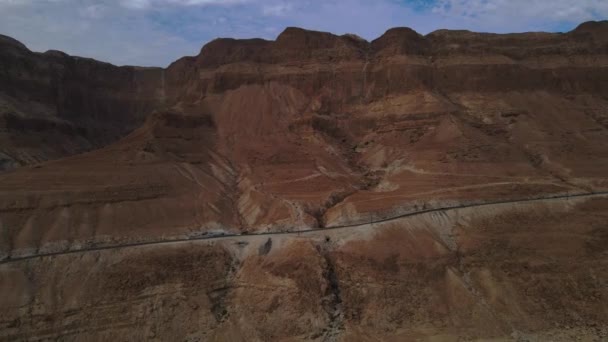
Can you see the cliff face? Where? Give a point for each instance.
(75, 104)
(442, 61)
(310, 130)
(53, 105)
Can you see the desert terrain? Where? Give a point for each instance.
(445, 187)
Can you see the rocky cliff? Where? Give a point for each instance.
(309, 130)
(313, 130)
(54, 105)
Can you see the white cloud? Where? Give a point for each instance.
(136, 3)
(278, 9)
(142, 4)
(511, 14)
(99, 29)
(93, 11)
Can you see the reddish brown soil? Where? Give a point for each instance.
(309, 130)
(532, 271)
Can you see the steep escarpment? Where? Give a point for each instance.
(402, 60)
(266, 141)
(74, 104)
(54, 105)
(308, 130)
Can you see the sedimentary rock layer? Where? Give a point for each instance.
(309, 130)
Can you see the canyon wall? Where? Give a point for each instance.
(310, 130)
(53, 105)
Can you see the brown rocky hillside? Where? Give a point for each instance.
(309, 131)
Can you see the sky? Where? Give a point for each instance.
(157, 32)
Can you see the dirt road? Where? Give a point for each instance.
(10, 259)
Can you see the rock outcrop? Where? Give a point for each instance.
(309, 130)
(53, 105)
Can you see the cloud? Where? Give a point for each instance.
(93, 11)
(143, 4)
(278, 9)
(97, 29)
(156, 32)
(521, 15)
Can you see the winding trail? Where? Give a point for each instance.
(10, 259)
(457, 188)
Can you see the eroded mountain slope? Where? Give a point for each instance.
(533, 271)
(315, 129)
(53, 105)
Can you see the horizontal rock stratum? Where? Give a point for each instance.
(311, 130)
